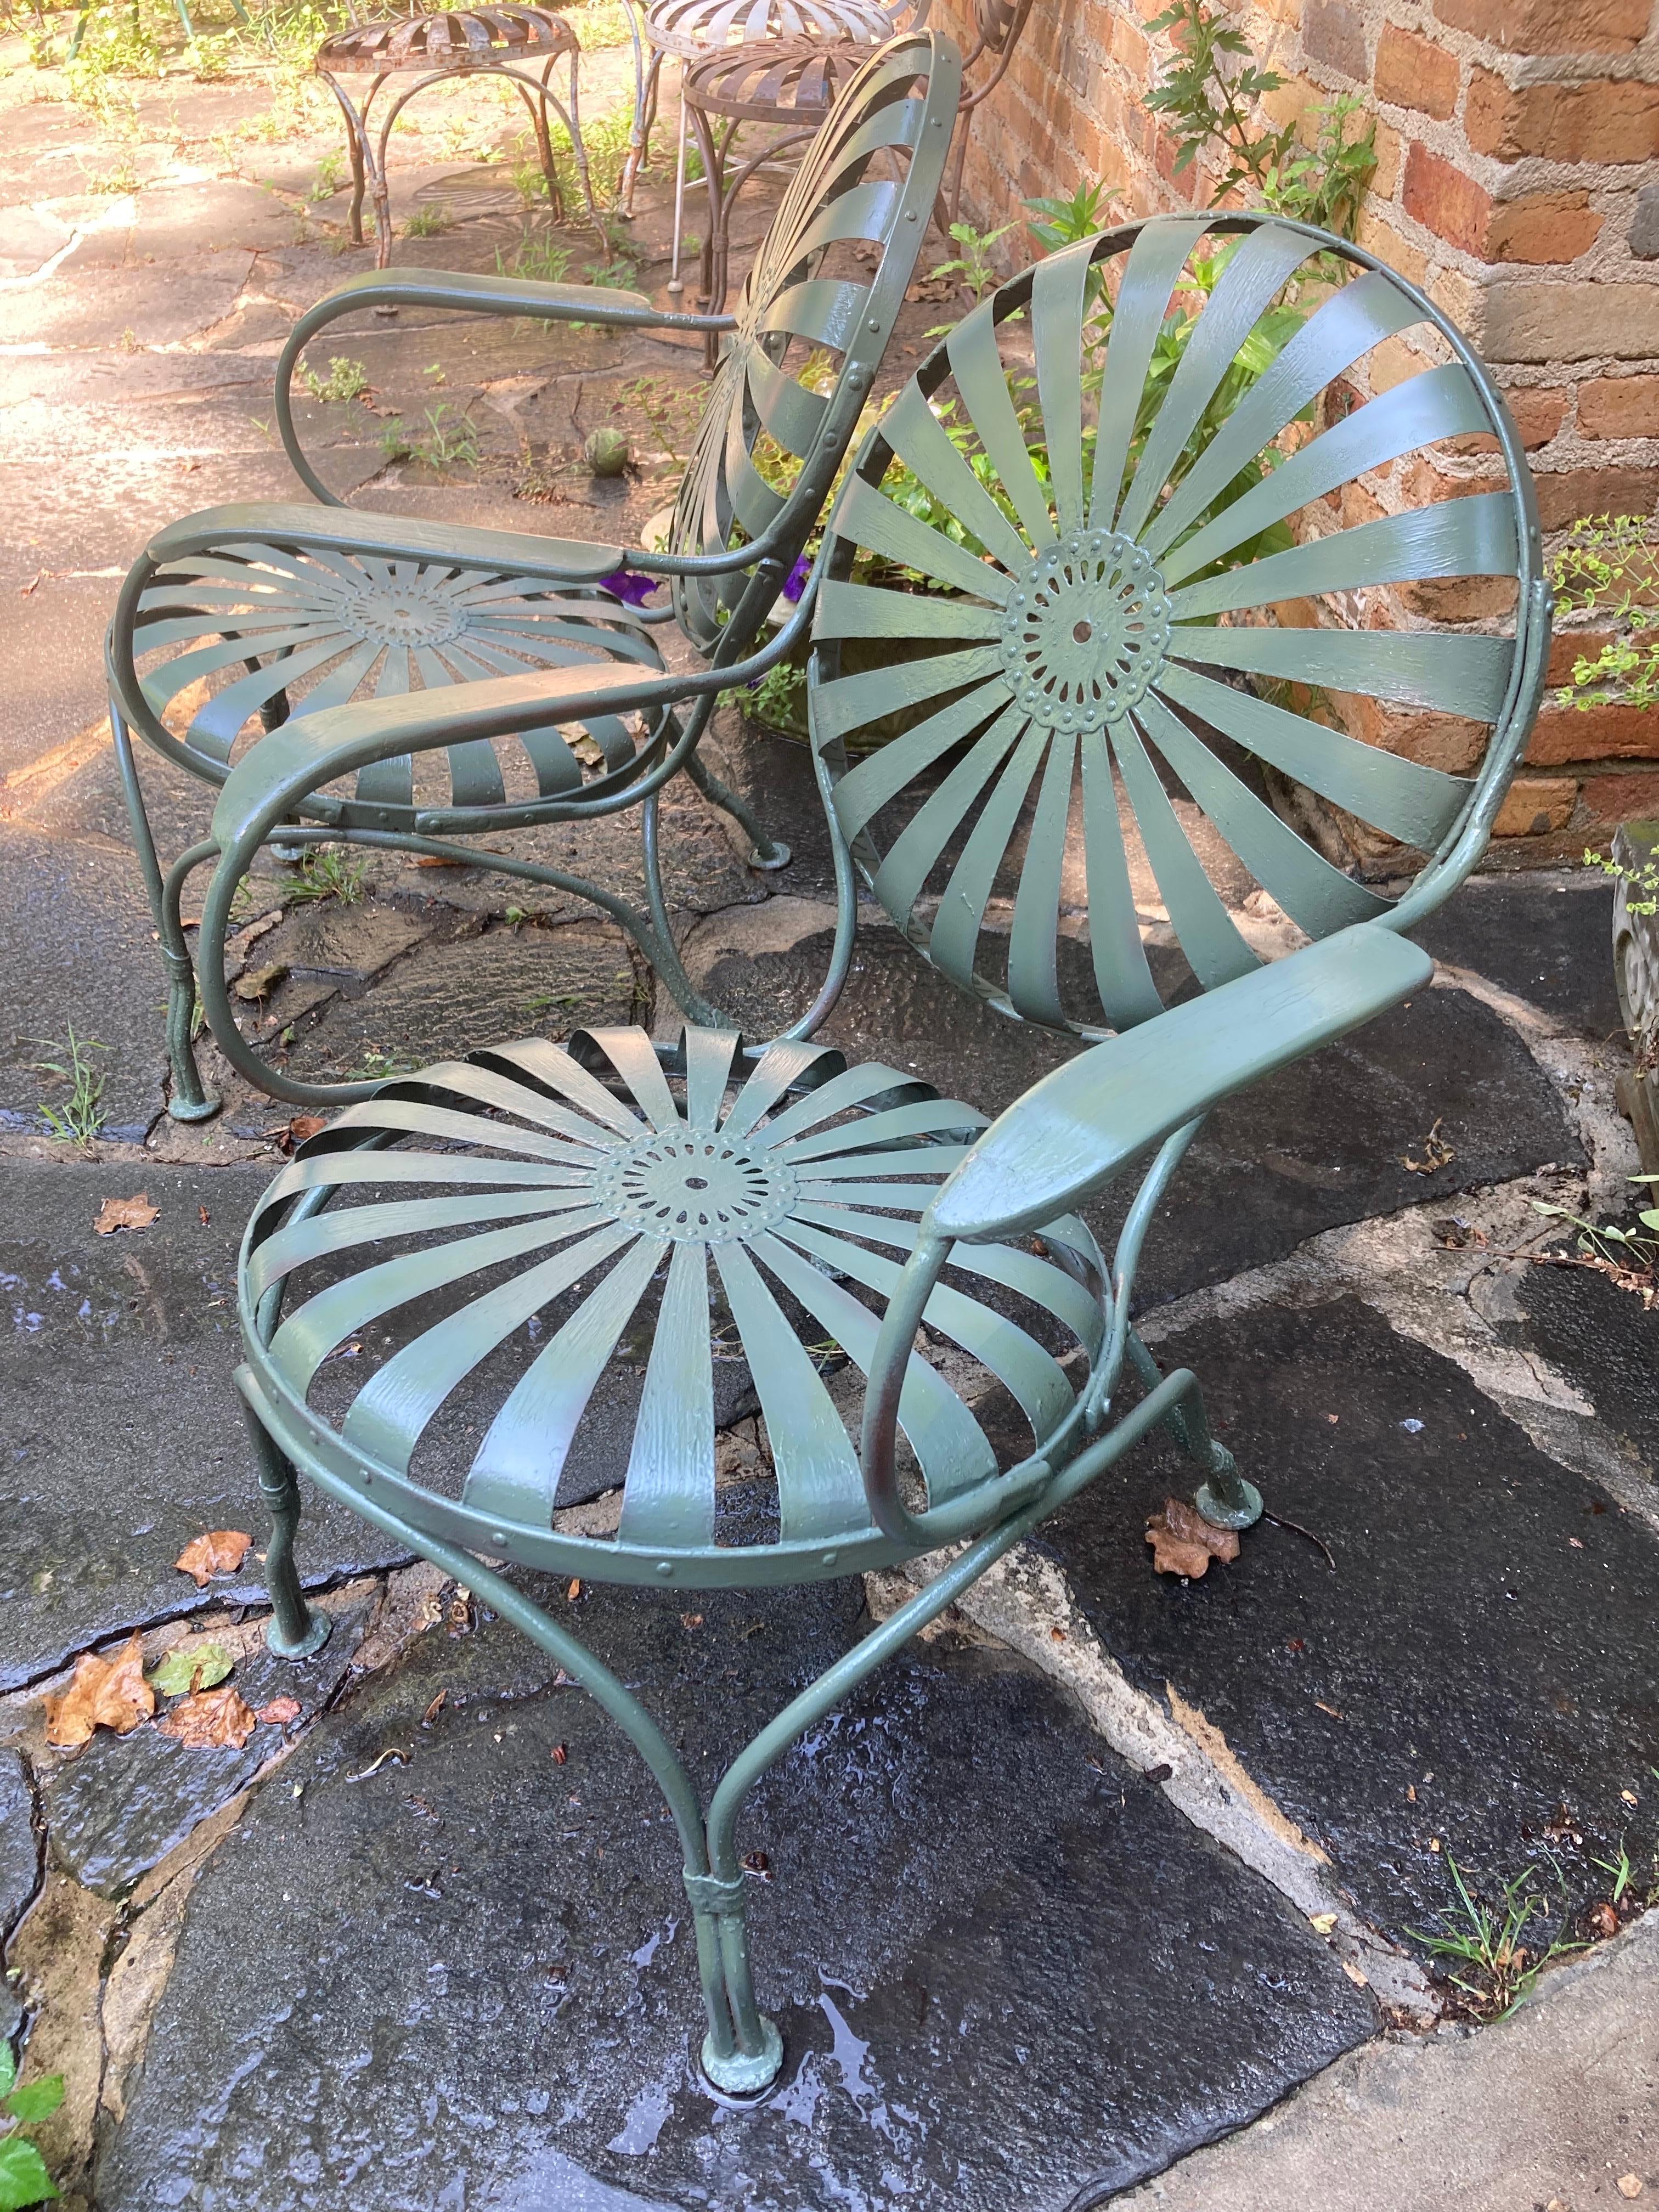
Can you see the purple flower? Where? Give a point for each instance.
(795, 582)
(627, 584)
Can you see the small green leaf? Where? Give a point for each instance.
(23, 2176)
(36, 2100)
(190, 1665)
(1650, 1218)
(8, 2068)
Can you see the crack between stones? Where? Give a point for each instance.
(1027, 1603)
(26, 1692)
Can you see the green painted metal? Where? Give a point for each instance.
(1114, 616)
(289, 616)
(505, 1225)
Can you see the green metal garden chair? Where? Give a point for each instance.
(1036, 567)
(277, 613)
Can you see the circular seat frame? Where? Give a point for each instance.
(521, 44)
(590, 1150)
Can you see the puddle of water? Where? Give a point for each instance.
(554, 2183)
(647, 1950)
(646, 2116)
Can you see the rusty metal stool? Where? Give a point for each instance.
(997, 27)
(504, 42)
(793, 82)
(690, 30)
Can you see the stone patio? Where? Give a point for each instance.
(1099, 1873)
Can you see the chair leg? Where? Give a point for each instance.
(634, 160)
(675, 281)
(1224, 1497)
(743, 2050)
(768, 852)
(188, 1100)
(295, 1630)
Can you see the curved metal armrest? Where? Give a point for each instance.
(310, 750)
(468, 293)
(396, 536)
(1080, 1126)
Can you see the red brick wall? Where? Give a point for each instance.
(1514, 138)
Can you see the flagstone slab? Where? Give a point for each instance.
(121, 1433)
(1003, 1967)
(1548, 942)
(1468, 1677)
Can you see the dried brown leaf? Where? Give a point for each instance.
(1183, 1542)
(219, 1552)
(110, 1693)
(135, 1212)
(210, 1720)
(434, 1708)
(279, 1712)
(1436, 1154)
(297, 1130)
(1603, 1918)
(259, 982)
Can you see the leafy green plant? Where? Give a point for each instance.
(326, 872)
(1609, 569)
(121, 177)
(1063, 222)
(972, 260)
(670, 409)
(620, 274)
(778, 700)
(326, 181)
(449, 440)
(23, 2177)
(115, 43)
(1483, 1941)
(78, 1118)
(1209, 93)
(429, 221)
(1641, 881)
(346, 380)
(1629, 1256)
(537, 257)
(1621, 1869)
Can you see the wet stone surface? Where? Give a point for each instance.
(1549, 944)
(1322, 1144)
(121, 1432)
(1586, 1327)
(444, 1000)
(20, 1871)
(119, 1805)
(79, 953)
(1483, 1641)
(1001, 1964)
